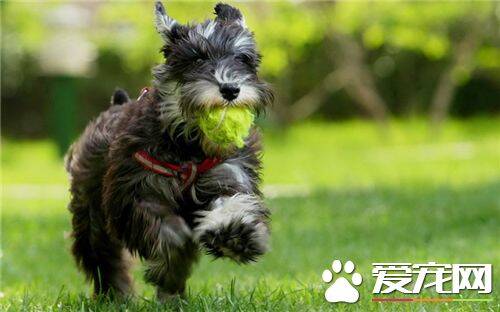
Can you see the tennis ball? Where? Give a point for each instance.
(226, 125)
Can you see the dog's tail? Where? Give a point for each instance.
(119, 97)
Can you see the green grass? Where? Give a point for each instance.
(407, 198)
(354, 154)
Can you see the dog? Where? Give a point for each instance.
(145, 180)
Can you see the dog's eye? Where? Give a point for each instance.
(200, 58)
(244, 58)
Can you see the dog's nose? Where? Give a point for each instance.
(229, 91)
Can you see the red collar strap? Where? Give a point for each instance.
(186, 171)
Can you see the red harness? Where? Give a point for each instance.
(186, 171)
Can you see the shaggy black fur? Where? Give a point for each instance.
(119, 207)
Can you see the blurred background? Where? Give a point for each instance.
(326, 60)
(383, 110)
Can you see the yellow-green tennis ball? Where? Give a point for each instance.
(226, 125)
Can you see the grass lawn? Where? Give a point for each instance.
(405, 197)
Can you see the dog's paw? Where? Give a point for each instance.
(235, 227)
(242, 242)
(165, 296)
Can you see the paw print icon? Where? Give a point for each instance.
(342, 290)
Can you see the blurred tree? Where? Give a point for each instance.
(456, 33)
(325, 59)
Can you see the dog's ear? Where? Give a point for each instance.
(164, 23)
(119, 97)
(228, 14)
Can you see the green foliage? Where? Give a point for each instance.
(283, 29)
(128, 29)
(489, 57)
(131, 32)
(24, 26)
(406, 47)
(419, 26)
(292, 29)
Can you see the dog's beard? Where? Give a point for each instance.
(200, 96)
(181, 104)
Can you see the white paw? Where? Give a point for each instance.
(234, 228)
(342, 290)
(242, 208)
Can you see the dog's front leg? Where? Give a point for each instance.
(234, 226)
(165, 240)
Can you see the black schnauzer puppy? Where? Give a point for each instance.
(145, 179)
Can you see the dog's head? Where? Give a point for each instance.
(214, 63)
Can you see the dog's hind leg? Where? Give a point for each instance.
(101, 257)
(103, 260)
